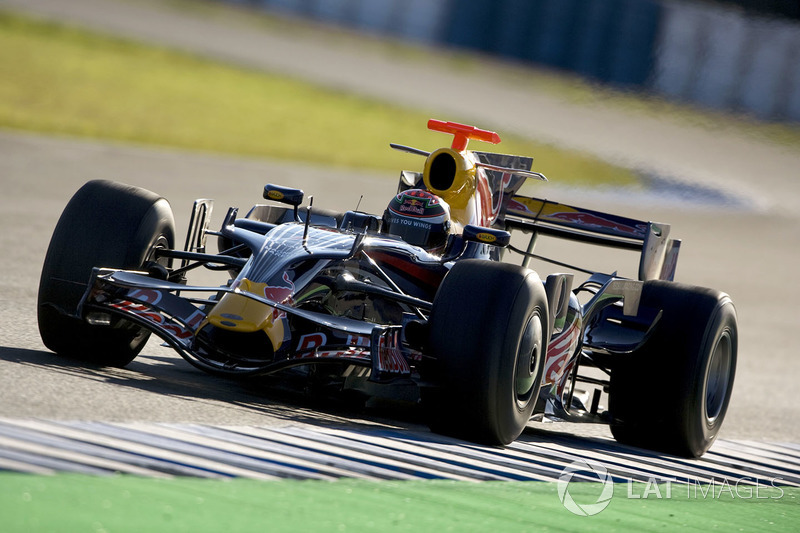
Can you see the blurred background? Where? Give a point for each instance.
(736, 55)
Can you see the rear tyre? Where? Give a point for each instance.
(105, 224)
(489, 335)
(672, 393)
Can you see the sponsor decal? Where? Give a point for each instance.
(412, 206)
(486, 237)
(426, 226)
(601, 222)
(311, 341)
(147, 296)
(594, 221)
(308, 347)
(515, 205)
(156, 318)
(350, 353)
(414, 203)
(558, 353)
(390, 358)
(280, 293)
(426, 197)
(275, 195)
(357, 340)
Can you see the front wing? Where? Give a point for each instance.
(158, 306)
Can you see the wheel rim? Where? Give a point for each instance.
(526, 371)
(718, 377)
(161, 243)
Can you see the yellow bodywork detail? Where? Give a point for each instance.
(465, 215)
(540, 208)
(456, 170)
(236, 312)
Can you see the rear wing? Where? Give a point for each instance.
(658, 253)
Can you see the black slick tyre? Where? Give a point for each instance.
(672, 393)
(489, 335)
(105, 224)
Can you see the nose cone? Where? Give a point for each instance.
(237, 312)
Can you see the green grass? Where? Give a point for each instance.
(70, 502)
(60, 80)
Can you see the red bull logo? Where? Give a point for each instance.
(411, 205)
(280, 293)
(600, 223)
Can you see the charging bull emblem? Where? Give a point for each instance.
(280, 293)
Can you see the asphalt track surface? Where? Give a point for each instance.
(748, 248)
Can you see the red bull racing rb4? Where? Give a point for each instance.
(421, 297)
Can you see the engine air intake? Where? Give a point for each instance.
(443, 171)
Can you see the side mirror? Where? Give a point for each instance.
(284, 195)
(495, 237)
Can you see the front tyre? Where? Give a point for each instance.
(489, 335)
(105, 224)
(672, 393)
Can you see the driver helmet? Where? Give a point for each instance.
(419, 218)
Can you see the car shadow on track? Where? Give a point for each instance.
(278, 399)
(172, 377)
(176, 388)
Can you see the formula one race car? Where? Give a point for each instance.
(416, 298)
